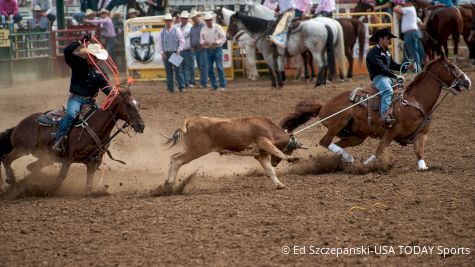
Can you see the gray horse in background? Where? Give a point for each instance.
(312, 35)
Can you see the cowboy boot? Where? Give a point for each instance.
(57, 144)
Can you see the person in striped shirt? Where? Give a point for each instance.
(170, 40)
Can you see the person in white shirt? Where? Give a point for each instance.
(212, 38)
(413, 48)
(187, 67)
(286, 13)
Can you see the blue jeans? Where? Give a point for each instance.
(110, 46)
(202, 63)
(216, 56)
(72, 110)
(173, 73)
(187, 67)
(413, 47)
(384, 85)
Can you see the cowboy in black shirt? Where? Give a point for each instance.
(379, 64)
(86, 81)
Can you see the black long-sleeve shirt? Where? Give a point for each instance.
(379, 62)
(86, 81)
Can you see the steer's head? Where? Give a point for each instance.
(287, 147)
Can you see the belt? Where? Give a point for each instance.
(411, 31)
(83, 97)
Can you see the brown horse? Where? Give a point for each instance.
(86, 147)
(443, 22)
(412, 110)
(468, 11)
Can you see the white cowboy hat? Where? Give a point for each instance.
(168, 16)
(90, 12)
(208, 16)
(95, 50)
(194, 13)
(102, 11)
(184, 14)
(133, 10)
(37, 8)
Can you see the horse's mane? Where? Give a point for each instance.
(253, 24)
(421, 75)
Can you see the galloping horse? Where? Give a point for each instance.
(413, 110)
(312, 36)
(244, 41)
(87, 147)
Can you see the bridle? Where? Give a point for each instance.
(443, 84)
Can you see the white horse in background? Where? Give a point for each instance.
(260, 11)
(246, 43)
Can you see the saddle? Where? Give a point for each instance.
(360, 95)
(52, 117)
(295, 25)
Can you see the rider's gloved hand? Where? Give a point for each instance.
(400, 79)
(86, 38)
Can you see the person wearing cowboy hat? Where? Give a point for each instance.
(197, 48)
(39, 21)
(212, 38)
(46, 7)
(171, 41)
(86, 81)
(188, 65)
(379, 64)
(107, 30)
(132, 13)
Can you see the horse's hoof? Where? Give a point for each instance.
(162, 190)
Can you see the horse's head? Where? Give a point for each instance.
(449, 74)
(128, 109)
(234, 26)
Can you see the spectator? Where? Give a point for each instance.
(187, 67)
(46, 6)
(86, 5)
(133, 13)
(302, 7)
(212, 38)
(176, 19)
(197, 48)
(39, 21)
(170, 41)
(384, 6)
(9, 8)
(107, 30)
(325, 8)
(412, 37)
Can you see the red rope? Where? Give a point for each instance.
(115, 73)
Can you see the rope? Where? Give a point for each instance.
(334, 114)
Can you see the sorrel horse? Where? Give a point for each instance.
(28, 137)
(443, 22)
(468, 12)
(412, 110)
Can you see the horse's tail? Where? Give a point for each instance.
(5, 142)
(361, 34)
(177, 135)
(340, 50)
(330, 52)
(304, 111)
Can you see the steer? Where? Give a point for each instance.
(252, 136)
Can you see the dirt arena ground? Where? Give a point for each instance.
(230, 213)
